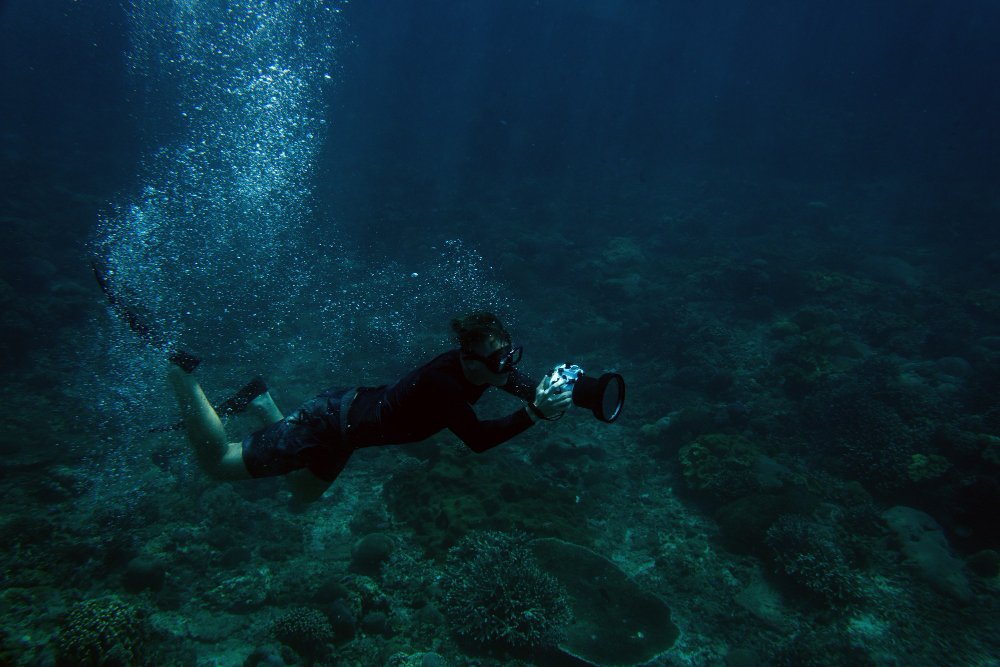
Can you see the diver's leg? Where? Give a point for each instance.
(216, 455)
(264, 410)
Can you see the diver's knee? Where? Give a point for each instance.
(229, 466)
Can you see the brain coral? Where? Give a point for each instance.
(104, 631)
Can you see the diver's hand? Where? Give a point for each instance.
(551, 400)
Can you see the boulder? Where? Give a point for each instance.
(370, 552)
(923, 543)
(615, 621)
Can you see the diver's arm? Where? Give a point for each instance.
(480, 436)
(520, 385)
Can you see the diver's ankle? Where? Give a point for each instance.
(264, 408)
(262, 401)
(186, 361)
(176, 374)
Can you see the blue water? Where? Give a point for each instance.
(777, 220)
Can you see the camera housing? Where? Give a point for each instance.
(604, 396)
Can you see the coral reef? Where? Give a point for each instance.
(719, 466)
(460, 492)
(307, 631)
(790, 376)
(863, 423)
(813, 555)
(495, 593)
(104, 631)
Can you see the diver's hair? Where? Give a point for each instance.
(475, 327)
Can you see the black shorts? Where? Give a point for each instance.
(311, 437)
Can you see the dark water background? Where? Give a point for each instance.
(655, 187)
(608, 102)
(557, 109)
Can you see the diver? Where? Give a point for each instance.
(313, 444)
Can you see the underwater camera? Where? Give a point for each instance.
(604, 396)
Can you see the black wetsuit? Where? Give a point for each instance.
(436, 396)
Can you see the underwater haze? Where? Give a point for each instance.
(779, 222)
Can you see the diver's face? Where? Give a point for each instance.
(477, 372)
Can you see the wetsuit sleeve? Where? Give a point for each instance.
(482, 435)
(521, 385)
